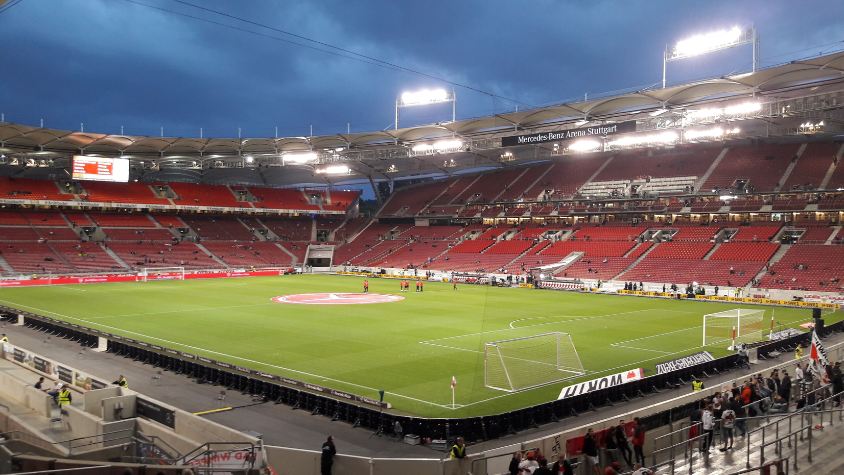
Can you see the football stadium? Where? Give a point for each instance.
(439, 296)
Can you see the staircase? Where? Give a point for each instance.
(507, 187)
(711, 251)
(116, 257)
(791, 167)
(836, 230)
(292, 256)
(712, 167)
(597, 172)
(531, 248)
(5, 265)
(212, 256)
(774, 259)
(638, 260)
(831, 170)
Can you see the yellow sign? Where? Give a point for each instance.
(718, 298)
(527, 286)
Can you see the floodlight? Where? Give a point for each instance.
(704, 43)
(422, 147)
(584, 146)
(580, 122)
(661, 138)
(300, 157)
(743, 108)
(709, 133)
(249, 159)
(448, 145)
(333, 170)
(710, 42)
(424, 97)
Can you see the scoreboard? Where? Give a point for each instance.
(100, 168)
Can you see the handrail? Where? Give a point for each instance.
(156, 439)
(207, 447)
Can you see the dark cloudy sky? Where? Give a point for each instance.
(107, 63)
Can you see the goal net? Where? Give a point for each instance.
(162, 273)
(529, 362)
(718, 327)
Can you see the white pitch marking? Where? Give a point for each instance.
(444, 406)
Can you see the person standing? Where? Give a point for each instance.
(611, 445)
(365, 286)
(785, 387)
(454, 284)
(417, 285)
(622, 443)
(513, 469)
(421, 285)
(728, 420)
(741, 414)
(697, 385)
(798, 352)
(328, 453)
(708, 422)
(529, 464)
(590, 449)
(638, 441)
(64, 397)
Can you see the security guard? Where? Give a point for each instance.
(798, 352)
(697, 385)
(64, 397)
(4, 339)
(121, 381)
(459, 449)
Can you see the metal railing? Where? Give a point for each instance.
(682, 431)
(204, 455)
(69, 444)
(99, 439)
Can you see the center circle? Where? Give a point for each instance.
(336, 298)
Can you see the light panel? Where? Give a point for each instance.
(425, 97)
(707, 42)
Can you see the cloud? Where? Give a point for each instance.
(112, 63)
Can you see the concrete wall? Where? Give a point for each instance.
(82, 424)
(178, 442)
(107, 407)
(92, 402)
(25, 394)
(287, 461)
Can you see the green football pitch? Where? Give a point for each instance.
(409, 348)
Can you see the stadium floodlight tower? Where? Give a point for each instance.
(424, 98)
(710, 42)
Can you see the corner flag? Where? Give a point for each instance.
(453, 384)
(819, 359)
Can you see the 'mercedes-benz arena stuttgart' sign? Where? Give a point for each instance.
(336, 299)
(597, 130)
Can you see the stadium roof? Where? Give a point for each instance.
(797, 75)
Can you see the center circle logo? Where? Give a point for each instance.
(336, 299)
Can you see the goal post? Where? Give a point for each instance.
(739, 325)
(529, 362)
(161, 273)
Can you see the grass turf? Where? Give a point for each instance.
(363, 348)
